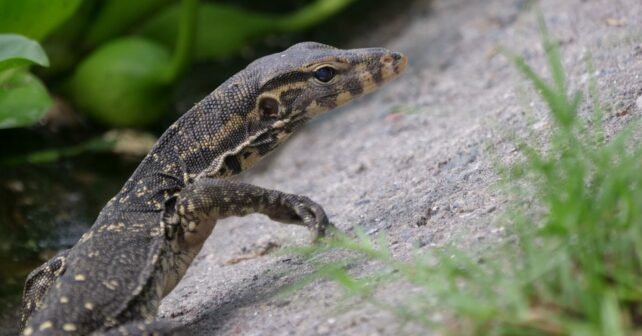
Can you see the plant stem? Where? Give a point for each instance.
(185, 43)
(311, 14)
(50, 155)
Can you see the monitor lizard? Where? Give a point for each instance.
(112, 280)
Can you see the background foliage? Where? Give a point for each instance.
(117, 60)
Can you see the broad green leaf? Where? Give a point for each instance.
(122, 84)
(23, 99)
(17, 50)
(35, 18)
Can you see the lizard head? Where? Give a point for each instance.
(283, 91)
(311, 78)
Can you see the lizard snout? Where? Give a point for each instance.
(394, 61)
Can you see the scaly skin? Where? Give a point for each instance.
(112, 280)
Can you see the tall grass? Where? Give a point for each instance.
(572, 262)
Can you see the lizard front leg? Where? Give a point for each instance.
(200, 204)
(190, 216)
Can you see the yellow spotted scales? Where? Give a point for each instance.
(111, 282)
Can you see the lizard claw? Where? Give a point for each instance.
(327, 232)
(312, 215)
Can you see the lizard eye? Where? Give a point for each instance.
(324, 74)
(269, 107)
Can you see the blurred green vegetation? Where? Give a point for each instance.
(117, 60)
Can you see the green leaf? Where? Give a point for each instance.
(35, 18)
(611, 316)
(17, 50)
(23, 99)
(122, 84)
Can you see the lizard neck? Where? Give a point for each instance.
(197, 141)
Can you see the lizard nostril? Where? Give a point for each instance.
(392, 58)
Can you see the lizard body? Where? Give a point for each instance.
(112, 280)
